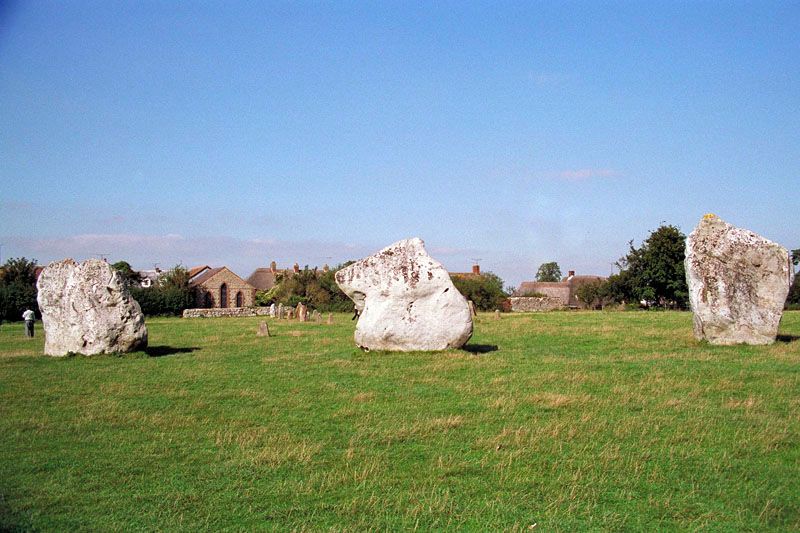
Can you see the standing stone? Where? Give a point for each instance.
(280, 310)
(272, 310)
(497, 314)
(263, 330)
(87, 309)
(290, 314)
(472, 308)
(406, 301)
(302, 312)
(330, 319)
(316, 317)
(738, 282)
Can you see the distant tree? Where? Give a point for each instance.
(17, 288)
(793, 298)
(485, 290)
(312, 287)
(549, 272)
(593, 294)
(653, 272)
(129, 276)
(170, 296)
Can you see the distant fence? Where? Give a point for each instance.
(228, 311)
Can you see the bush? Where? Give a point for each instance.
(169, 297)
(314, 288)
(485, 290)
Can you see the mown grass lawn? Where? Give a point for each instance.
(570, 421)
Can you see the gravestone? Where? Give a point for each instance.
(280, 310)
(272, 310)
(263, 330)
(330, 319)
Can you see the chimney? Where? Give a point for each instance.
(476, 269)
(296, 268)
(273, 267)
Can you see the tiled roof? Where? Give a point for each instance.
(196, 270)
(205, 276)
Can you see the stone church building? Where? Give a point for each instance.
(220, 288)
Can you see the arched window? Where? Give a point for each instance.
(223, 295)
(239, 299)
(208, 301)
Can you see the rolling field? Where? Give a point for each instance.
(555, 422)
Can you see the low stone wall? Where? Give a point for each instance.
(535, 303)
(228, 311)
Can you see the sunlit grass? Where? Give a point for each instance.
(571, 421)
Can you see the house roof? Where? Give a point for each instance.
(262, 279)
(196, 270)
(204, 276)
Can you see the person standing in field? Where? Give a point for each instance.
(29, 318)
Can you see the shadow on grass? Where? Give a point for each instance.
(480, 348)
(787, 338)
(161, 351)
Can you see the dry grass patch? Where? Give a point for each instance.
(554, 400)
(263, 446)
(746, 404)
(363, 397)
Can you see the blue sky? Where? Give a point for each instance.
(514, 133)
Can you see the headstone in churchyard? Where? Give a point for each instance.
(316, 317)
(497, 314)
(330, 319)
(406, 301)
(86, 308)
(302, 312)
(263, 330)
(280, 310)
(272, 310)
(738, 282)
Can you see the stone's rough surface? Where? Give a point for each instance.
(406, 301)
(86, 309)
(738, 282)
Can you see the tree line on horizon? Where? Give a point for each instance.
(652, 275)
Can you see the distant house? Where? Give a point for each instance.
(476, 271)
(265, 278)
(220, 288)
(149, 278)
(552, 293)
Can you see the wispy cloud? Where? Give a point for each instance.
(582, 174)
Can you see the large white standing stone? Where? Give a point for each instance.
(738, 282)
(87, 309)
(406, 301)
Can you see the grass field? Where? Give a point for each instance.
(570, 421)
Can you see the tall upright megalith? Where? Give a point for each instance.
(87, 309)
(738, 282)
(406, 301)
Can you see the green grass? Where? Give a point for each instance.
(576, 421)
